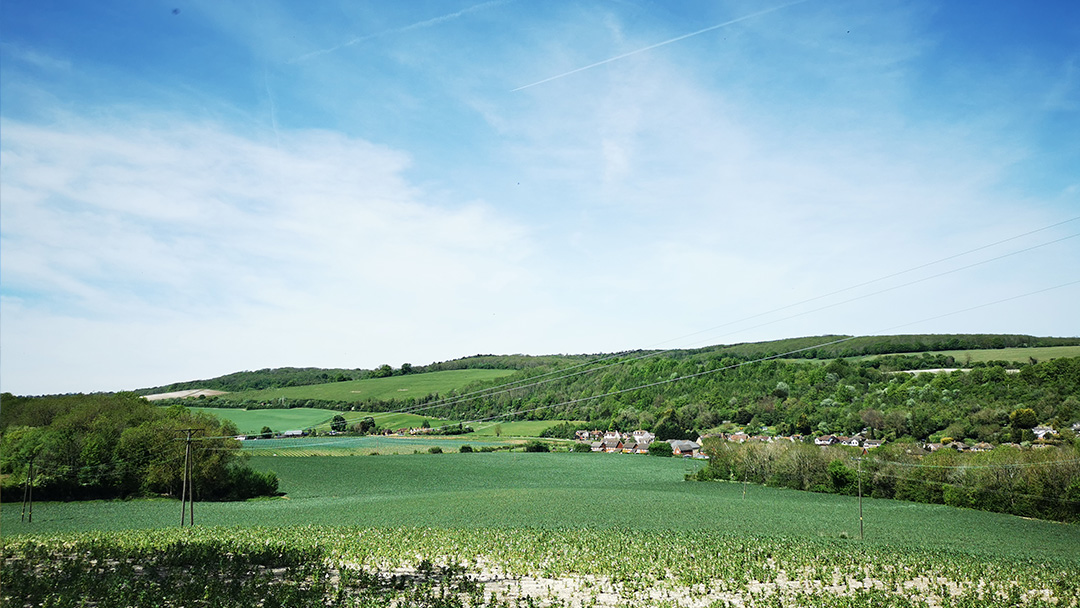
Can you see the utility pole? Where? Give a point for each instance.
(187, 490)
(28, 493)
(860, 496)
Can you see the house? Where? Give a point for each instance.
(855, 441)
(581, 435)
(870, 444)
(596, 446)
(292, 434)
(982, 446)
(629, 447)
(642, 448)
(612, 444)
(826, 440)
(640, 436)
(933, 447)
(682, 447)
(1042, 431)
(738, 437)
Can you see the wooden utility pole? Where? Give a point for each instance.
(860, 497)
(187, 491)
(28, 494)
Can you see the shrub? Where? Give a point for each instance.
(434, 450)
(660, 448)
(582, 447)
(465, 449)
(537, 446)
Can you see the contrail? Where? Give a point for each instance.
(659, 44)
(406, 28)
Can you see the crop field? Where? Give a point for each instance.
(394, 387)
(522, 428)
(1023, 355)
(252, 421)
(522, 529)
(366, 445)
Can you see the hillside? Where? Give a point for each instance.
(806, 389)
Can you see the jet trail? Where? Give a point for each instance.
(659, 44)
(406, 28)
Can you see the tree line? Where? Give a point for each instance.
(117, 446)
(1042, 483)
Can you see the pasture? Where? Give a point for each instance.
(523, 529)
(559, 490)
(381, 389)
(366, 445)
(252, 421)
(1020, 355)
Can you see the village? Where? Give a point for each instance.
(638, 442)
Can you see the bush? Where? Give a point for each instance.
(537, 446)
(660, 448)
(434, 450)
(465, 449)
(582, 447)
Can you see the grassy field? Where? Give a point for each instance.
(558, 490)
(252, 421)
(523, 428)
(1020, 355)
(487, 530)
(394, 387)
(368, 445)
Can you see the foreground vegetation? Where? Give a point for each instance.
(517, 529)
(348, 566)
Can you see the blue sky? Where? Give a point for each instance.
(192, 188)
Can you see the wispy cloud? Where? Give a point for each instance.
(659, 44)
(400, 30)
(35, 57)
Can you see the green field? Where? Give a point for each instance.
(1020, 355)
(558, 490)
(523, 428)
(368, 445)
(488, 530)
(385, 389)
(252, 421)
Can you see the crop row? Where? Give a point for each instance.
(347, 566)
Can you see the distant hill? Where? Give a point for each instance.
(811, 347)
(809, 385)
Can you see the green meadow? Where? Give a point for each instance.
(394, 387)
(252, 421)
(502, 529)
(369, 445)
(1020, 355)
(556, 491)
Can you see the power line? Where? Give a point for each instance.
(492, 391)
(762, 359)
(527, 383)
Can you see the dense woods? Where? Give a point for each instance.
(118, 445)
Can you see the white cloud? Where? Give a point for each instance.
(159, 223)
